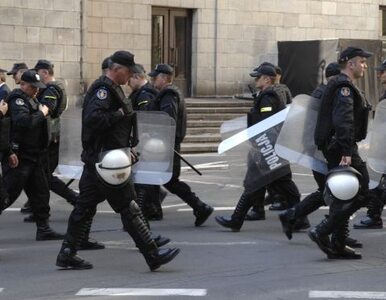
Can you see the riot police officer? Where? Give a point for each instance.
(377, 196)
(142, 97)
(171, 101)
(29, 141)
(342, 122)
(17, 70)
(107, 125)
(266, 104)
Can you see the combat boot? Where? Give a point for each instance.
(202, 213)
(338, 243)
(319, 235)
(230, 222)
(369, 223)
(160, 240)
(90, 244)
(45, 233)
(279, 203)
(158, 257)
(301, 224)
(287, 219)
(68, 259)
(375, 205)
(353, 243)
(257, 213)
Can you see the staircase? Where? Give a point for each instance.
(205, 117)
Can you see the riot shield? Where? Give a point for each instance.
(296, 139)
(156, 131)
(377, 147)
(254, 163)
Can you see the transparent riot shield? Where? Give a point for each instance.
(156, 131)
(296, 140)
(377, 146)
(253, 163)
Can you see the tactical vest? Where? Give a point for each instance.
(283, 92)
(181, 113)
(124, 133)
(150, 91)
(256, 116)
(62, 101)
(324, 130)
(29, 140)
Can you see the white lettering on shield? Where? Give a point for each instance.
(268, 151)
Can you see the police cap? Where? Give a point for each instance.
(105, 63)
(382, 66)
(138, 69)
(351, 52)
(124, 58)
(264, 69)
(332, 69)
(16, 67)
(43, 64)
(31, 77)
(161, 68)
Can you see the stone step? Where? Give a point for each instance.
(203, 138)
(217, 110)
(199, 147)
(204, 123)
(214, 116)
(193, 102)
(202, 130)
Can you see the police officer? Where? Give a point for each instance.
(17, 70)
(142, 98)
(171, 101)
(29, 140)
(107, 124)
(266, 104)
(377, 197)
(314, 200)
(4, 89)
(55, 98)
(342, 122)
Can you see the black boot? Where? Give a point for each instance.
(160, 240)
(319, 235)
(68, 259)
(257, 213)
(353, 243)
(287, 219)
(141, 235)
(29, 219)
(202, 213)
(374, 212)
(45, 233)
(237, 219)
(369, 223)
(27, 208)
(338, 243)
(87, 243)
(301, 224)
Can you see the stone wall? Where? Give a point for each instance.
(77, 34)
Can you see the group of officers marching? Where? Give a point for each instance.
(30, 138)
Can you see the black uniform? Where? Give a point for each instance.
(5, 152)
(4, 91)
(266, 104)
(54, 96)
(171, 101)
(105, 127)
(342, 122)
(148, 196)
(29, 140)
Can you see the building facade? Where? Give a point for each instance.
(213, 44)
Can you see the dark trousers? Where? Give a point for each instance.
(30, 175)
(180, 188)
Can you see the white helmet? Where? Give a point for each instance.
(343, 183)
(115, 167)
(154, 149)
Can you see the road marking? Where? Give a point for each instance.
(140, 292)
(215, 208)
(1, 289)
(346, 295)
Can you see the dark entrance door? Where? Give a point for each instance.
(171, 43)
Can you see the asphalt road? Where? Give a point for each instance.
(214, 263)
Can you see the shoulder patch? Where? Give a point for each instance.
(19, 101)
(345, 91)
(101, 94)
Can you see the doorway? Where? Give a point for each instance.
(171, 43)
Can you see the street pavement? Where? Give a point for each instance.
(256, 263)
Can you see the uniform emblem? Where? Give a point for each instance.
(102, 94)
(19, 101)
(345, 91)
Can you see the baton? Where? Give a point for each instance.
(69, 182)
(188, 163)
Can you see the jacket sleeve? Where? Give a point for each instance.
(97, 112)
(49, 97)
(169, 104)
(343, 120)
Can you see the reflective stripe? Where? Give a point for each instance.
(265, 109)
(50, 97)
(143, 102)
